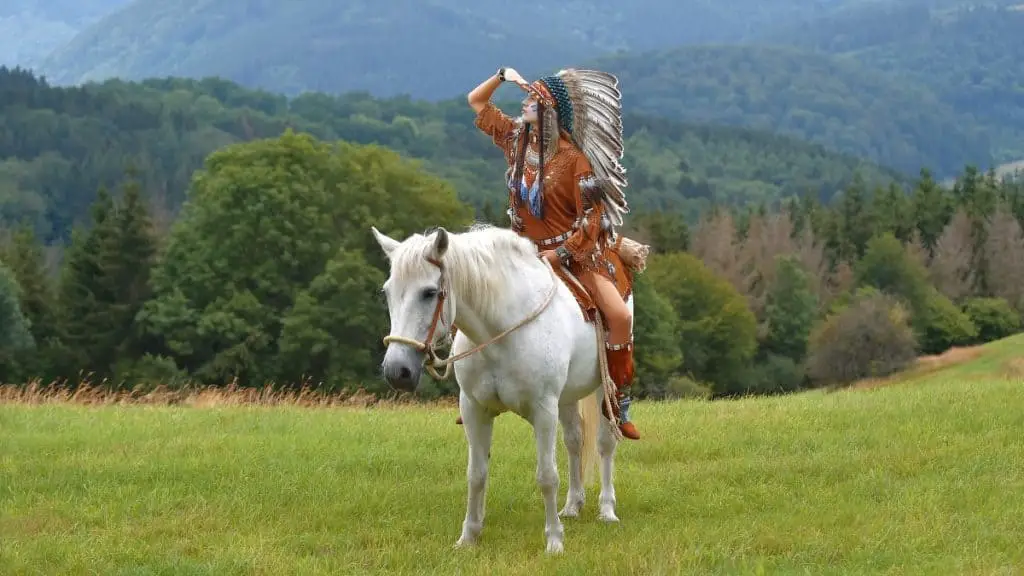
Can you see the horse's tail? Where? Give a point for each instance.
(590, 416)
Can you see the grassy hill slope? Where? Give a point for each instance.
(922, 477)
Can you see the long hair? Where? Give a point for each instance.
(520, 162)
(541, 137)
(547, 139)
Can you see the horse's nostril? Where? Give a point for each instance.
(405, 373)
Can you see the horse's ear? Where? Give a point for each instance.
(387, 243)
(440, 243)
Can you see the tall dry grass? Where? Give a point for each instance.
(232, 394)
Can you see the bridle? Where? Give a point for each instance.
(431, 361)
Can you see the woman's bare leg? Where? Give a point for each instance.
(619, 321)
(613, 309)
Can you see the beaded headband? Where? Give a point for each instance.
(552, 91)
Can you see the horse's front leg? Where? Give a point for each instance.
(606, 444)
(479, 427)
(572, 432)
(545, 430)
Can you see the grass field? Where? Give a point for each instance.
(923, 475)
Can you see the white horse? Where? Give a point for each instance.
(528, 349)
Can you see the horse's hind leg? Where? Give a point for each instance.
(572, 432)
(479, 427)
(545, 431)
(606, 444)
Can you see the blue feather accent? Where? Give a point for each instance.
(531, 197)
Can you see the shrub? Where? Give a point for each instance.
(686, 387)
(994, 318)
(150, 371)
(940, 325)
(775, 375)
(716, 330)
(869, 338)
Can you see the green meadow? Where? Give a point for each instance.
(923, 474)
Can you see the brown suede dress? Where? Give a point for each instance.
(569, 217)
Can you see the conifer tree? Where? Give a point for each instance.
(105, 282)
(15, 334)
(25, 259)
(84, 291)
(136, 253)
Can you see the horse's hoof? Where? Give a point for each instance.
(608, 517)
(465, 543)
(555, 547)
(570, 511)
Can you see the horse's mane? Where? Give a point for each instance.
(484, 261)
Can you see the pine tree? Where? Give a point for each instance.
(23, 255)
(84, 291)
(105, 282)
(15, 333)
(891, 212)
(855, 222)
(136, 252)
(932, 210)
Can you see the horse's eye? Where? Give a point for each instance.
(429, 293)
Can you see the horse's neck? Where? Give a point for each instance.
(519, 300)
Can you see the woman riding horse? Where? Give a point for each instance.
(563, 168)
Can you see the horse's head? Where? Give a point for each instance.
(417, 292)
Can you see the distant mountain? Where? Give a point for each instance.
(431, 49)
(291, 47)
(31, 29)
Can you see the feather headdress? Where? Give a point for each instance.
(589, 107)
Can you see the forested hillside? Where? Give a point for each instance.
(269, 275)
(59, 145)
(970, 59)
(816, 97)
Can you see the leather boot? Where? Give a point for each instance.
(620, 368)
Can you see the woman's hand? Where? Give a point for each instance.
(552, 257)
(511, 75)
